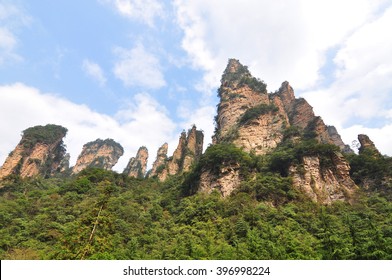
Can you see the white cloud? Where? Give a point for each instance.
(142, 122)
(145, 11)
(361, 92)
(283, 40)
(94, 71)
(11, 17)
(292, 40)
(138, 67)
(380, 136)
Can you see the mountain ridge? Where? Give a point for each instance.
(252, 119)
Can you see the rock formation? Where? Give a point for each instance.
(323, 184)
(188, 151)
(257, 122)
(137, 166)
(99, 153)
(225, 182)
(39, 152)
(367, 146)
(159, 165)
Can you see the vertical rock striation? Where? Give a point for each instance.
(258, 122)
(137, 166)
(40, 152)
(100, 154)
(188, 151)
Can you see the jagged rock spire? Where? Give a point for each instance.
(188, 151)
(367, 146)
(258, 122)
(160, 161)
(137, 166)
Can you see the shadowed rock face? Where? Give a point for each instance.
(188, 151)
(159, 165)
(99, 153)
(324, 184)
(255, 121)
(40, 152)
(137, 166)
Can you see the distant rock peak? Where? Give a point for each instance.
(137, 166)
(188, 151)
(41, 152)
(367, 146)
(100, 154)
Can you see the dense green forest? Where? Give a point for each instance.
(100, 214)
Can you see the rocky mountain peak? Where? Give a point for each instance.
(188, 151)
(367, 146)
(159, 164)
(137, 166)
(40, 152)
(99, 153)
(259, 123)
(286, 93)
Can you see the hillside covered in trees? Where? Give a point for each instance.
(100, 214)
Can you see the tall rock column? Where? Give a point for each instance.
(137, 166)
(159, 164)
(40, 152)
(188, 151)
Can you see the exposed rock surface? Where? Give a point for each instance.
(256, 121)
(137, 166)
(367, 145)
(235, 98)
(40, 152)
(225, 182)
(159, 165)
(188, 151)
(99, 153)
(324, 184)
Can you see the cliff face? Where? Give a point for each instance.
(159, 165)
(188, 151)
(137, 166)
(257, 121)
(40, 152)
(323, 184)
(99, 153)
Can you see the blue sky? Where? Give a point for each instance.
(142, 71)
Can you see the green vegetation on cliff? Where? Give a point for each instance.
(47, 134)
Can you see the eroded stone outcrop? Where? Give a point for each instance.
(40, 152)
(225, 182)
(324, 184)
(188, 151)
(159, 165)
(100, 154)
(257, 121)
(367, 146)
(137, 166)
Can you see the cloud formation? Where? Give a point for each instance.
(360, 95)
(145, 11)
(10, 18)
(283, 41)
(335, 54)
(94, 71)
(138, 67)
